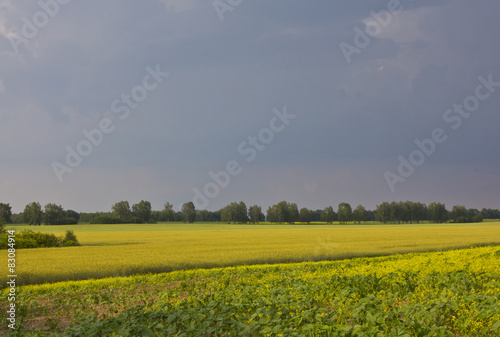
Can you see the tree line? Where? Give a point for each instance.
(238, 212)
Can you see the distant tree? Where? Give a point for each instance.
(305, 215)
(255, 214)
(33, 214)
(272, 215)
(474, 215)
(328, 215)
(282, 212)
(489, 213)
(344, 213)
(419, 212)
(5, 212)
(383, 212)
(293, 213)
(71, 217)
(459, 214)
(3, 230)
(437, 212)
(316, 215)
(359, 214)
(241, 213)
(53, 215)
(168, 212)
(142, 211)
(121, 210)
(188, 212)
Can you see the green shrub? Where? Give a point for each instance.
(104, 219)
(30, 239)
(70, 239)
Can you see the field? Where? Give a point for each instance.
(123, 250)
(454, 293)
(416, 287)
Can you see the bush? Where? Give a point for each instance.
(105, 220)
(30, 239)
(70, 239)
(70, 221)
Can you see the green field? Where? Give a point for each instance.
(123, 250)
(454, 293)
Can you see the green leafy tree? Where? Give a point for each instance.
(5, 212)
(188, 212)
(282, 212)
(142, 211)
(53, 215)
(344, 213)
(168, 212)
(437, 212)
(293, 213)
(359, 214)
(459, 214)
(121, 210)
(3, 230)
(272, 214)
(255, 214)
(328, 215)
(241, 213)
(383, 212)
(305, 215)
(33, 214)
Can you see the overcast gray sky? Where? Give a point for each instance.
(360, 101)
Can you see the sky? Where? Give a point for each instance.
(312, 102)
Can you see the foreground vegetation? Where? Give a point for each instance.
(453, 293)
(123, 250)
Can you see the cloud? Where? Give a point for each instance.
(2, 87)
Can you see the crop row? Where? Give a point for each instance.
(428, 294)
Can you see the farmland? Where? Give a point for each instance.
(453, 293)
(123, 250)
(264, 280)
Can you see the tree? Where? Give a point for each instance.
(305, 215)
(344, 213)
(33, 214)
(359, 214)
(71, 217)
(3, 230)
(272, 215)
(383, 212)
(5, 212)
(188, 212)
(255, 214)
(419, 212)
(142, 211)
(328, 215)
(241, 213)
(437, 212)
(293, 213)
(282, 212)
(168, 212)
(53, 215)
(121, 210)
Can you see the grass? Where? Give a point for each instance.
(123, 250)
(453, 293)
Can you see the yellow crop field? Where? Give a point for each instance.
(122, 250)
(452, 293)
